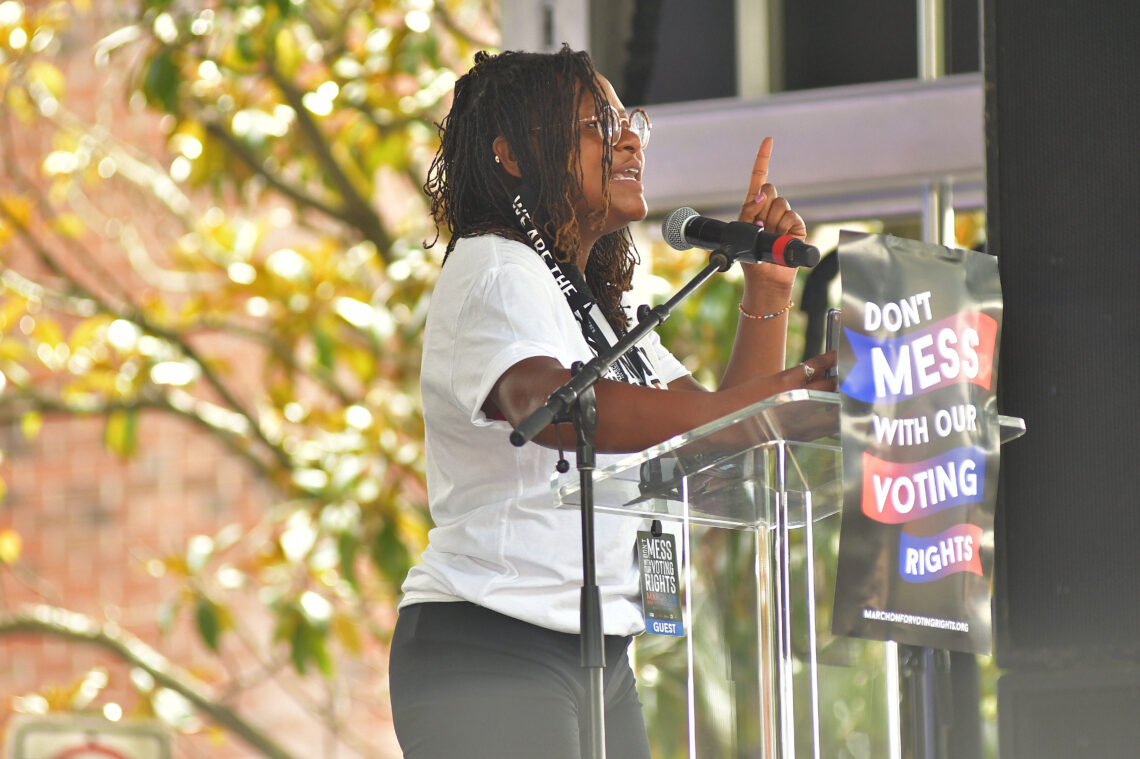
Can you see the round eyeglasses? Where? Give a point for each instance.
(610, 125)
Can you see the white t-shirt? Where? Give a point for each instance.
(499, 541)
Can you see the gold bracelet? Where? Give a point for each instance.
(765, 316)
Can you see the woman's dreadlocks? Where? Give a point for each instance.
(509, 95)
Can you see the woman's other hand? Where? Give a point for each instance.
(764, 207)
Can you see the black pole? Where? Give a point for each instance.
(926, 676)
(584, 416)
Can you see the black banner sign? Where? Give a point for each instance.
(918, 415)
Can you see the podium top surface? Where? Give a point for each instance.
(721, 474)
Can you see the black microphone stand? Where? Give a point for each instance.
(574, 402)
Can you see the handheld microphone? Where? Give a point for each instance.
(683, 228)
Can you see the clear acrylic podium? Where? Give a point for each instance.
(754, 500)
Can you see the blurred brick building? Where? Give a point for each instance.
(94, 527)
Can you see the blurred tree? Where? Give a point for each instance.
(255, 268)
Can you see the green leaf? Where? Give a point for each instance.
(209, 625)
(161, 83)
(347, 547)
(245, 48)
(319, 652)
(326, 348)
(390, 554)
(308, 643)
(298, 647)
(286, 624)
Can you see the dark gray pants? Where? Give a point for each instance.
(468, 683)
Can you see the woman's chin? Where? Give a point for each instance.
(628, 210)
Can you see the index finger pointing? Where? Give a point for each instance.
(760, 167)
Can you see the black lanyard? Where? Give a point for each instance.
(634, 367)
